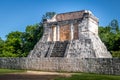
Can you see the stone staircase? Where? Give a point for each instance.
(59, 49)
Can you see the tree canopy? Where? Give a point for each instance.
(110, 35)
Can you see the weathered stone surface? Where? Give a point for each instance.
(65, 33)
(90, 65)
(70, 15)
(13, 63)
(41, 49)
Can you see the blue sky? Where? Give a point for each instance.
(15, 15)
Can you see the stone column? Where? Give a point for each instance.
(50, 33)
(72, 31)
(46, 33)
(58, 32)
(54, 33)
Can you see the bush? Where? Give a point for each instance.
(116, 54)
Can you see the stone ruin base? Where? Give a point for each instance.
(89, 65)
(85, 47)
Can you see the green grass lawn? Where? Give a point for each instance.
(4, 71)
(85, 76)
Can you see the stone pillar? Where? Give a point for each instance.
(50, 34)
(46, 33)
(72, 31)
(54, 33)
(58, 33)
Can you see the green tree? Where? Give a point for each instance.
(110, 35)
(104, 33)
(114, 26)
(1, 45)
(13, 45)
(48, 15)
(19, 44)
(31, 37)
(117, 42)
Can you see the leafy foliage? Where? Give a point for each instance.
(19, 44)
(1, 45)
(31, 37)
(48, 15)
(116, 53)
(110, 35)
(114, 26)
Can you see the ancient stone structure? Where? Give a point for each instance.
(89, 65)
(70, 43)
(72, 34)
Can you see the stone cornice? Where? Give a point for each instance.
(65, 22)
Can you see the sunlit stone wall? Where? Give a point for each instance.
(90, 65)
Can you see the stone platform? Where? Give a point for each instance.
(72, 34)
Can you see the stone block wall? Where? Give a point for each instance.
(90, 65)
(13, 63)
(81, 49)
(41, 49)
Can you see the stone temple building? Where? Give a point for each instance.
(69, 35)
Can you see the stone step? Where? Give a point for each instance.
(59, 49)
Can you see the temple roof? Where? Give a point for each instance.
(69, 16)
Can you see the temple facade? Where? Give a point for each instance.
(71, 34)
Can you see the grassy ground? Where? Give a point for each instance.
(85, 76)
(77, 76)
(4, 71)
